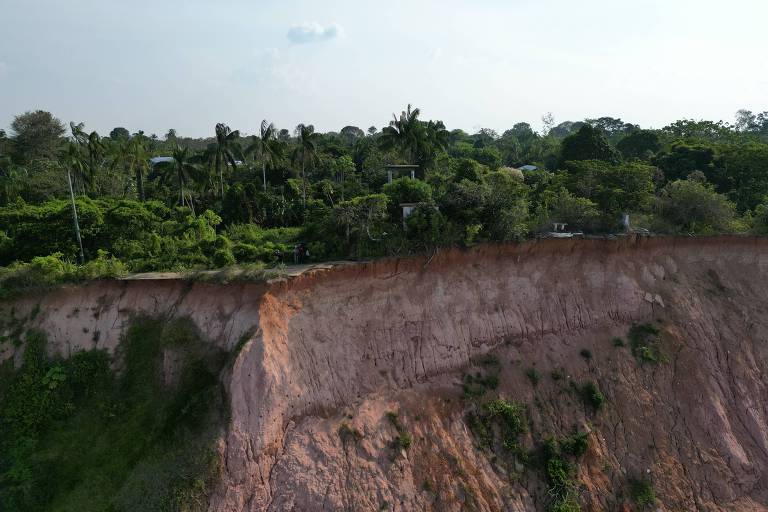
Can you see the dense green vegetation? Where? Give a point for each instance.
(78, 436)
(235, 198)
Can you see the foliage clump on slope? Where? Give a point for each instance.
(79, 436)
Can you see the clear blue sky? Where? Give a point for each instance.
(187, 64)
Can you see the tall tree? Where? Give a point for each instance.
(73, 161)
(587, 144)
(306, 153)
(226, 151)
(182, 170)
(133, 157)
(405, 133)
(267, 148)
(119, 133)
(36, 134)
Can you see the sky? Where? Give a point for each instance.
(188, 64)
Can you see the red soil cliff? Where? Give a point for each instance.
(345, 346)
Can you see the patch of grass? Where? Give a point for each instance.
(641, 491)
(245, 273)
(533, 376)
(502, 417)
(644, 341)
(77, 436)
(618, 342)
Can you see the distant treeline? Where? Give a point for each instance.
(243, 199)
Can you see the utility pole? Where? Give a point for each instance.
(74, 218)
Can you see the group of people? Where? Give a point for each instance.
(300, 254)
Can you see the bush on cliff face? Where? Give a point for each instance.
(644, 341)
(77, 436)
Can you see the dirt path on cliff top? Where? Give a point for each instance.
(287, 271)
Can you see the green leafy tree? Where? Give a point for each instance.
(745, 174)
(692, 206)
(615, 188)
(640, 144)
(119, 133)
(683, 158)
(360, 217)
(587, 144)
(36, 135)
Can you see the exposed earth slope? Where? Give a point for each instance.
(374, 386)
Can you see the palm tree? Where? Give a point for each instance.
(225, 150)
(268, 148)
(182, 170)
(139, 163)
(73, 161)
(436, 139)
(306, 151)
(405, 133)
(94, 148)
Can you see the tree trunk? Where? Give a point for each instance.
(181, 190)
(140, 183)
(303, 185)
(74, 218)
(264, 174)
(221, 175)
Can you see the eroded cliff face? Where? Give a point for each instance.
(323, 357)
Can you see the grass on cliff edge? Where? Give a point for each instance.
(78, 437)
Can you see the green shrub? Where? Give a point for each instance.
(557, 374)
(403, 439)
(533, 376)
(586, 354)
(591, 395)
(575, 444)
(618, 342)
(79, 436)
(644, 341)
(478, 384)
(560, 476)
(103, 266)
(642, 492)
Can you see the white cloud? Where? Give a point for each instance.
(313, 32)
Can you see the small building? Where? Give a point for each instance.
(398, 170)
(528, 168)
